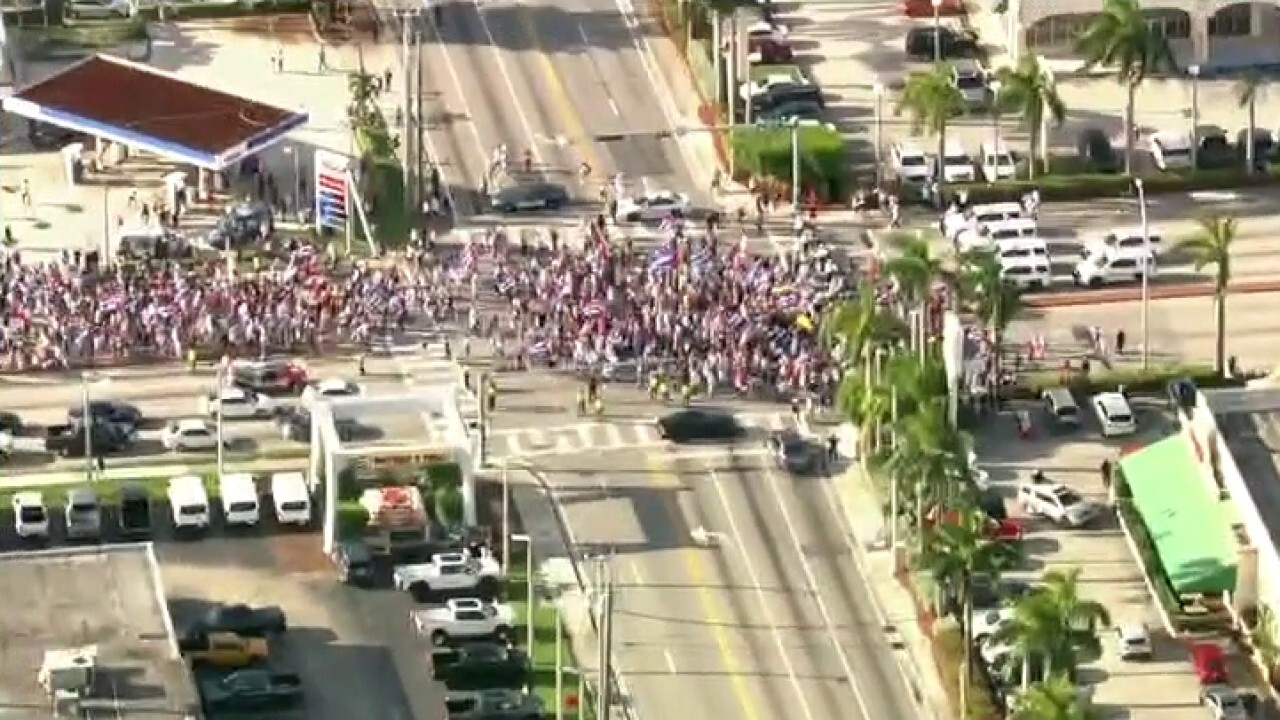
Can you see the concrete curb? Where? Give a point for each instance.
(148, 472)
(1156, 292)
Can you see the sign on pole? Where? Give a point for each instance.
(333, 193)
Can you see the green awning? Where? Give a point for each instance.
(1192, 534)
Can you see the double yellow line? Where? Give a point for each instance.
(665, 477)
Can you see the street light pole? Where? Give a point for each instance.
(937, 30)
(1194, 72)
(995, 86)
(879, 134)
(219, 379)
(559, 664)
(87, 422)
(506, 518)
(1146, 274)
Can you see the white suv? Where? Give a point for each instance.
(911, 163)
(233, 403)
(189, 435)
(1114, 414)
(1057, 502)
(30, 515)
(1105, 268)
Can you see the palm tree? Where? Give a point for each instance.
(986, 294)
(364, 89)
(1078, 618)
(916, 268)
(1032, 634)
(1252, 86)
(1120, 38)
(1031, 91)
(1055, 698)
(1212, 245)
(858, 326)
(956, 550)
(933, 101)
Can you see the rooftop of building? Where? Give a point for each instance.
(108, 597)
(414, 418)
(1249, 420)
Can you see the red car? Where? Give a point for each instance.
(1210, 663)
(269, 377)
(924, 8)
(1007, 530)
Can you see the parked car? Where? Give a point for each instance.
(242, 620)
(1223, 702)
(481, 665)
(83, 514)
(1097, 152)
(30, 515)
(331, 388)
(1264, 144)
(1209, 662)
(920, 43)
(465, 619)
(1133, 641)
(924, 8)
(251, 690)
(695, 424)
(295, 424)
(354, 562)
(225, 649)
(652, 205)
(99, 9)
(1170, 150)
(767, 44)
(529, 196)
(451, 572)
(493, 704)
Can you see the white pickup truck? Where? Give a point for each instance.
(451, 573)
(465, 619)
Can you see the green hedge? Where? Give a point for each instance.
(383, 184)
(210, 10)
(1087, 186)
(824, 165)
(1154, 380)
(351, 520)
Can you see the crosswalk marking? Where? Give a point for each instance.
(602, 436)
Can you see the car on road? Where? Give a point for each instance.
(481, 665)
(269, 377)
(241, 619)
(793, 453)
(997, 233)
(493, 704)
(1058, 503)
(98, 439)
(1114, 414)
(1223, 702)
(1105, 267)
(978, 217)
(250, 690)
(465, 619)
(452, 572)
(910, 163)
(295, 424)
(652, 205)
(354, 562)
(99, 9)
(919, 43)
(691, 425)
(112, 411)
(331, 388)
(1097, 152)
(189, 435)
(242, 225)
(1133, 641)
(529, 196)
(233, 403)
(1131, 240)
(1061, 407)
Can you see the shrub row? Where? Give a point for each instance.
(1153, 380)
(948, 655)
(1088, 186)
(766, 154)
(33, 18)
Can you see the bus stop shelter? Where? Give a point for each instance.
(142, 108)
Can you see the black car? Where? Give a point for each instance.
(10, 422)
(692, 425)
(243, 224)
(1264, 143)
(250, 690)
(478, 666)
(295, 424)
(109, 411)
(1097, 152)
(793, 453)
(241, 620)
(493, 704)
(785, 93)
(529, 196)
(1215, 151)
(354, 562)
(790, 112)
(920, 42)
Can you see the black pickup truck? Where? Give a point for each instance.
(105, 438)
(251, 690)
(493, 704)
(476, 666)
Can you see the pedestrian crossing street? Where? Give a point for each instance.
(604, 436)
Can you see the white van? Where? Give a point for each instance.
(239, 499)
(978, 216)
(189, 502)
(1105, 268)
(1171, 150)
(291, 499)
(1027, 273)
(1125, 240)
(1032, 248)
(996, 160)
(994, 233)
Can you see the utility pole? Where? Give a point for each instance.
(604, 693)
(559, 664)
(482, 399)
(422, 160)
(406, 134)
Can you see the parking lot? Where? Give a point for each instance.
(1163, 688)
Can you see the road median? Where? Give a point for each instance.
(1156, 292)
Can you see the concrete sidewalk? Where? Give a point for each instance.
(894, 605)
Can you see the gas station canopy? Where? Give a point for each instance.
(150, 110)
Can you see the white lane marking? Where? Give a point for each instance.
(636, 575)
(506, 78)
(671, 662)
(604, 86)
(801, 696)
(466, 108)
(614, 107)
(812, 581)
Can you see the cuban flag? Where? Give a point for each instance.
(703, 260)
(663, 260)
(595, 309)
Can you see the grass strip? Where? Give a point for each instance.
(546, 625)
